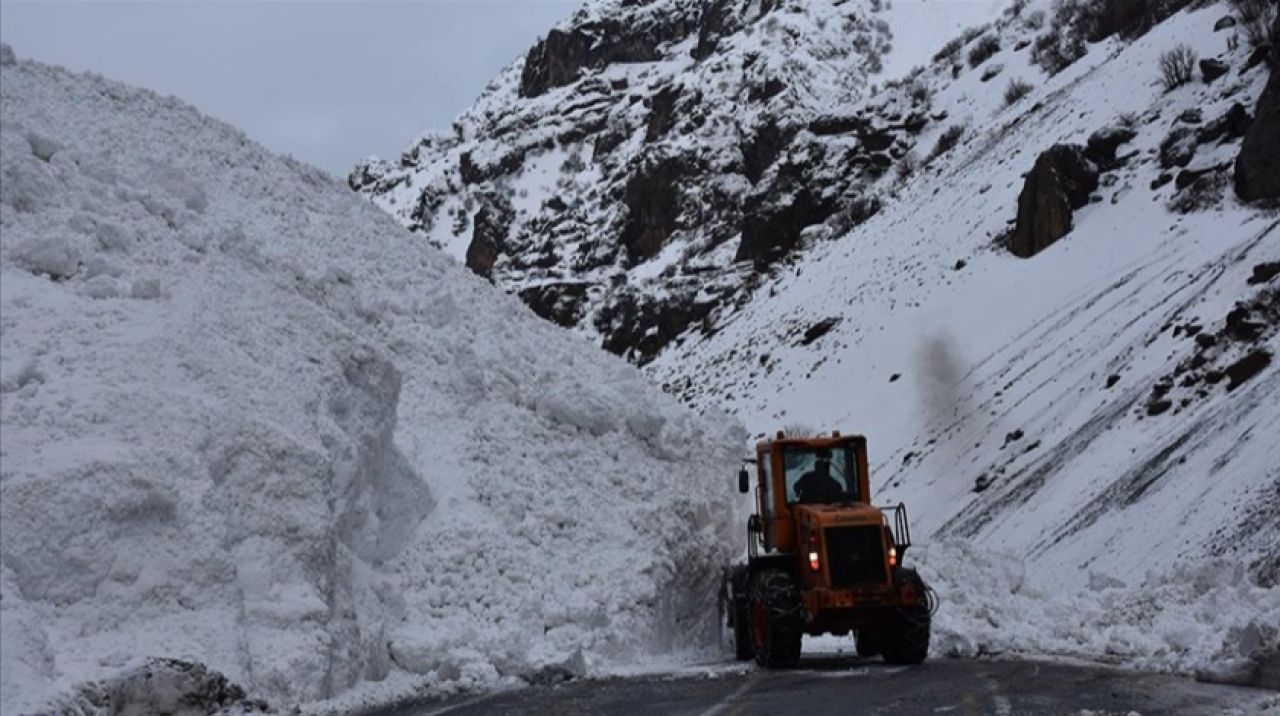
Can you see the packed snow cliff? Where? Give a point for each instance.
(252, 423)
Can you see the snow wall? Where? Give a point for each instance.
(251, 422)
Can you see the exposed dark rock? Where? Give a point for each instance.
(1264, 272)
(1231, 125)
(762, 150)
(875, 140)
(915, 122)
(838, 124)
(991, 72)
(1102, 145)
(1200, 189)
(1241, 371)
(1012, 437)
(1224, 22)
(771, 88)
(770, 231)
(366, 173)
(662, 113)
(960, 263)
(1260, 55)
(652, 196)
(473, 172)
(1158, 406)
(719, 18)
(559, 58)
(1161, 180)
(1241, 327)
(607, 141)
(1257, 171)
(1212, 69)
(1060, 182)
(638, 326)
(1191, 116)
(894, 378)
(1112, 380)
(553, 62)
(1187, 177)
(488, 237)
(559, 303)
(1178, 147)
(818, 330)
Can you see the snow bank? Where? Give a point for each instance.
(1202, 617)
(250, 422)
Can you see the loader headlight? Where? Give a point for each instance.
(893, 556)
(814, 563)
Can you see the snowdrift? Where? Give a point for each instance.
(250, 422)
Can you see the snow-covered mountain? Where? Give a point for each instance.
(628, 175)
(719, 189)
(250, 422)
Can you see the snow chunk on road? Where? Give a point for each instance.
(251, 423)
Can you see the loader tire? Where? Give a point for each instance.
(867, 644)
(737, 610)
(776, 620)
(906, 638)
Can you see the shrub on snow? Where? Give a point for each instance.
(1176, 66)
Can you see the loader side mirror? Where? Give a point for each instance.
(744, 481)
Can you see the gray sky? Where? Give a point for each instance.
(329, 82)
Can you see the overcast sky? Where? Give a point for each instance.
(329, 82)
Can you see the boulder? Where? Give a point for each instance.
(1231, 125)
(1212, 69)
(1178, 147)
(1257, 170)
(1224, 23)
(488, 236)
(1102, 145)
(1060, 182)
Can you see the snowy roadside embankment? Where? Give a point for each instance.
(252, 423)
(1205, 618)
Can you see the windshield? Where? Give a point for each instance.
(821, 474)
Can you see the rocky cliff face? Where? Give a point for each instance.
(645, 162)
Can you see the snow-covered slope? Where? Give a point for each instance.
(249, 421)
(1089, 413)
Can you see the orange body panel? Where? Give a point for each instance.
(799, 529)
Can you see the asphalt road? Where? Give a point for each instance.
(825, 685)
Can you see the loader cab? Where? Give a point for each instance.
(787, 473)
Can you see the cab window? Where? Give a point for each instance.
(816, 475)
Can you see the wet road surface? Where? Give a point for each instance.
(823, 685)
